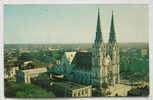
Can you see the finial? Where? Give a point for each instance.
(98, 10)
(112, 12)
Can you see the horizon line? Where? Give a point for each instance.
(74, 43)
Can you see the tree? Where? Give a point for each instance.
(143, 91)
(16, 90)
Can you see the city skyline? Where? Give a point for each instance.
(73, 23)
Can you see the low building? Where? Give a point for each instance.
(27, 62)
(119, 90)
(25, 75)
(11, 73)
(71, 89)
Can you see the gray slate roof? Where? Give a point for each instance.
(83, 60)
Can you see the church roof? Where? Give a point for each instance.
(83, 60)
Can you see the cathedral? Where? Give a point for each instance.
(105, 57)
(96, 67)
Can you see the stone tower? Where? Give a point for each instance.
(113, 51)
(98, 56)
(105, 58)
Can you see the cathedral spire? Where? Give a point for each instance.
(98, 30)
(112, 36)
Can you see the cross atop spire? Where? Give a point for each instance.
(112, 37)
(98, 30)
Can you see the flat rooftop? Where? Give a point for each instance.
(70, 85)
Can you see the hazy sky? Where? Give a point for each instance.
(73, 23)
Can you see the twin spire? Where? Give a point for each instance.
(112, 36)
(98, 30)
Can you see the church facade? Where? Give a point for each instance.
(99, 66)
(105, 57)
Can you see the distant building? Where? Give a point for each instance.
(71, 89)
(144, 52)
(52, 49)
(23, 50)
(12, 59)
(27, 62)
(124, 50)
(25, 75)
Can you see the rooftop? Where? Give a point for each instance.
(35, 70)
(70, 85)
(83, 60)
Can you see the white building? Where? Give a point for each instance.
(26, 74)
(11, 73)
(27, 62)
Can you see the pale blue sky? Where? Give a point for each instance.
(73, 23)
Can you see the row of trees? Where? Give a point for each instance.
(41, 56)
